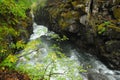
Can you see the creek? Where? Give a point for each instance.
(42, 55)
(47, 58)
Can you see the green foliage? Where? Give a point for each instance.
(102, 27)
(102, 30)
(5, 34)
(12, 14)
(81, 69)
(32, 45)
(107, 23)
(11, 9)
(5, 31)
(46, 70)
(58, 38)
(9, 62)
(18, 45)
(54, 65)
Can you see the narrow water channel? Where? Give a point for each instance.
(53, 60)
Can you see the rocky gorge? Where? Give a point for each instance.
(92, 25)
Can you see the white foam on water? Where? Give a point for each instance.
(65, 67)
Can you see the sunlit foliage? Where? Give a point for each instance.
(9, 62)
(55, 65)
(12, 15)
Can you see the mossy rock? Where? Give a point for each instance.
(117, 1)
(116, 12)
(63, 24)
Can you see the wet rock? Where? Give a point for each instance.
(83, 20)
(74, 28)
(97, 76)
(116, 11)
(118, 23)
(42, 17)
(90, 38)
(113, 60)
(113, 46)
(91, 26)
(112, 34)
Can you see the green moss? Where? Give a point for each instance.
(116, 13)
(63, 24)
(75, 3)
(66, 15)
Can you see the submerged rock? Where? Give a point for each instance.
(97, 76)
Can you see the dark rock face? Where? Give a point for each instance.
(41, 17)
(96, 76)
(92, 26)
(112, 46)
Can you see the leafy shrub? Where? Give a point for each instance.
(12, 13)
(44, 66)
(9, 62)
(11, 9)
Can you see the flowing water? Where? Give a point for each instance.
(44, 57)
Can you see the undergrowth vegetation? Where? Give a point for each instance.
(55, 65)
(46, 66)
(12, 16)
(15, 23)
